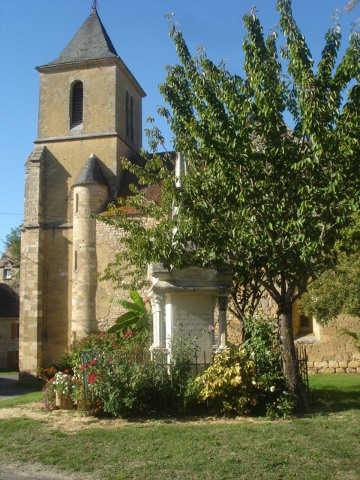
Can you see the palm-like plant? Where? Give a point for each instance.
(136, 320)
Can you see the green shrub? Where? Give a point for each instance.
(131, 388)
(123, 381)
(248, 379)
(137, 318)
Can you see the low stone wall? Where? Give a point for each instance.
(332, 350)
(351, 365)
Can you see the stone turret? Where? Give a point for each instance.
(90, 193)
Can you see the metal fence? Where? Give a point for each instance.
(302, 360)
(198, 365)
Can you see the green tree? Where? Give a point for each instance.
(13, 243)
(337, 290)
(268, 200)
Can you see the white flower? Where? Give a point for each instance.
(253, 382)
(272, 388)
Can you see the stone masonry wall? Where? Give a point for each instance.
(334, 352)
(327, 348)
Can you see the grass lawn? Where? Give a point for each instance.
(22, 400)
(323, 445)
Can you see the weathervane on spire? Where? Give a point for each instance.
(94, 4)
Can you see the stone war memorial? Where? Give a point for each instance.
(89, 119)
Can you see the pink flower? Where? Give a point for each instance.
(92, 378)
(128, 333)
(211, 328)
(146, 300)
(93, 362)
(66, 370)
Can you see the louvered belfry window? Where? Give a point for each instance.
(76, 104)
(127, 114)
(132, 119)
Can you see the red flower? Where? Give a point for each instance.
(84, 366)
(114, 344)
(128, 333)
(93, 362)
(92, 378)
(66, 370)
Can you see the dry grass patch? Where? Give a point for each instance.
(74, 421)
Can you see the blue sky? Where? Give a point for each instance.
(34, 32)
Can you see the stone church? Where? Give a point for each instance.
(90, 116)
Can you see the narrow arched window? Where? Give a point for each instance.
(76, 104)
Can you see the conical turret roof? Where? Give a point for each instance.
(91, 173)
(91, 42)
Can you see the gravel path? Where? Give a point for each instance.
(33, 472)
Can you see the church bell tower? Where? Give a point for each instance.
(90, 116)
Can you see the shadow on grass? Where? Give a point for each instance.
(10, 386)
(329, 400)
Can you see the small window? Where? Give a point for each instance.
(77, 203)
(7, 274)
(76, 104)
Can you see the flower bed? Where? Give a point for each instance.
(112, 374)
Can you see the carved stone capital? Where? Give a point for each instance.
(157, 302)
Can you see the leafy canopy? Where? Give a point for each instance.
(266, 199)
(13, 243)
(337, 290)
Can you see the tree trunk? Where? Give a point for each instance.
(289, 360)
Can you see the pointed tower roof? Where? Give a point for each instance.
(91, 173)
(91, 42)
(91, 45)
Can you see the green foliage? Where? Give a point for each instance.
(126, 387)
(136, 320)
(267, 200)
(248, 379)
(123, 381)
(13, 243)
(337, 290)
